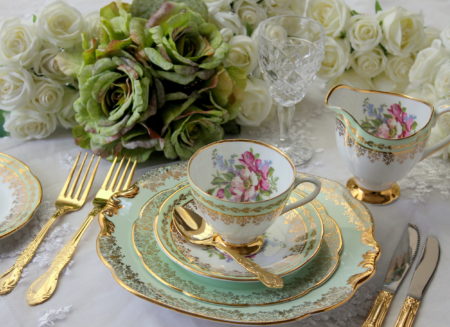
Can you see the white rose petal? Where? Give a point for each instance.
(47, 65)
(16, 87)
(403, 31)
(214, 6)
(364, 32)
(333, 15)
(431, 34)
(351, 78)
(336, 58)
(369, 64)
(227, 34)
(60, 24)
(243, 53)
(397, 68)
(231, 21)
(30, 124)
(18, 42)
(383, 82)
(442, 80)
(256, 104)
(92, 24)
(425, 91)
(250, 13)
(66, 116)
(48, 96)
(445, 37)
(427, 63)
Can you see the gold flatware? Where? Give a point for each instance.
(401, 261)
(195, 229)
(421, 278)
(45, 285)
(71, 198)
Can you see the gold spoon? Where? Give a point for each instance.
(195, 229)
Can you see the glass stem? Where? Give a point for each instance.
(285, 117)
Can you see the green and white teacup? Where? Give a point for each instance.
(241, 187)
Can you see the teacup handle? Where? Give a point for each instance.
(446, 141)
(306, 199)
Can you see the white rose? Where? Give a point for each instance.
(243, 53)
(29, 124)
(18, 42)
(441, 131)
(425, 91)
(278, 7)
(336, 58)
(47, 65)
(250, 13)
(92, 24)
(369, 64)
(427, 63)
(383, 82)
(256, 104)
(214, 6)
(60, 24)
(227, 34)
(397, 68)
(66, 116)
(431, 34)
(364, 32)
(231, 21)
(351, 78)
(333, 15)
(442, 80)
(403, 31)
(16, 87)
(445, 37)
(48, 96)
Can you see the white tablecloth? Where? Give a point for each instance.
(88, 295)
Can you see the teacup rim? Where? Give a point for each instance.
(402, 95)
(284, 154)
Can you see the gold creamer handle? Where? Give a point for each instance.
(408, 312)
(443, 143)
(379, 309)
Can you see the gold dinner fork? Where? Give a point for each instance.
(68, 199)
(45, 285)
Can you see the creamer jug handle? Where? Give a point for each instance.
(440, 110)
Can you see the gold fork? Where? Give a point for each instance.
(45, 285)
(68, 199)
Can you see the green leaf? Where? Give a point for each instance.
(228, 176)
(2, 122)
(378, 6)
(414, 125)
(353, 12)
(156, 58)
(218, 181)
(227, 193)
(34, 18)
(342, 35)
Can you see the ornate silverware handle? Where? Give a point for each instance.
(408, 312)
(45, 285)
(11, 277)
(379, 309)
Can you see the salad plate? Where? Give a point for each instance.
(116, 249)
(20, 194)
(291, 242)
(224, 292)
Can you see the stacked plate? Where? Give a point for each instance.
(324, 250)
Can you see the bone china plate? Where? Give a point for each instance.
(20, 194)
(357, 262)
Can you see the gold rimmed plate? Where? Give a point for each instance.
(20, 194)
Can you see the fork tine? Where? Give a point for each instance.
(108, 175)
(69, 177)
(75, 182)
(119, 183)
(130, 175)
(113, 182)
(90, 181)
(79, 188)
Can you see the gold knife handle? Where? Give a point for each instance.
(45, 285)
(379, 309)
(408, 312)
(267, 278)
(11, 277)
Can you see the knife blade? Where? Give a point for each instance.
(419, 282)
(401, 261)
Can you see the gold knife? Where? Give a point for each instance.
(399, 265)
(421, 278)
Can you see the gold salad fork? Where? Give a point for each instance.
(45, 285)
(70, 198)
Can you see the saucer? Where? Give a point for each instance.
(20, 194)
(292, 241)
(357, 263)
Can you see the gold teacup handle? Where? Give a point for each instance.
(446, 141)
(308, 198)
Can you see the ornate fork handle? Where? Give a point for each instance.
(10, 278)
(44, 286)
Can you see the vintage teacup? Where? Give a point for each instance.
(241, 186)
(381, 136)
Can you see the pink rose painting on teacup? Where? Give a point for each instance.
(388, 122)
(242, 178)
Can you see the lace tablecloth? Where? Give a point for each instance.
(88, 295)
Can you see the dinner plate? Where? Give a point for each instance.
(20, 194)
(169, 273)
(116, 250)
(289, 243)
